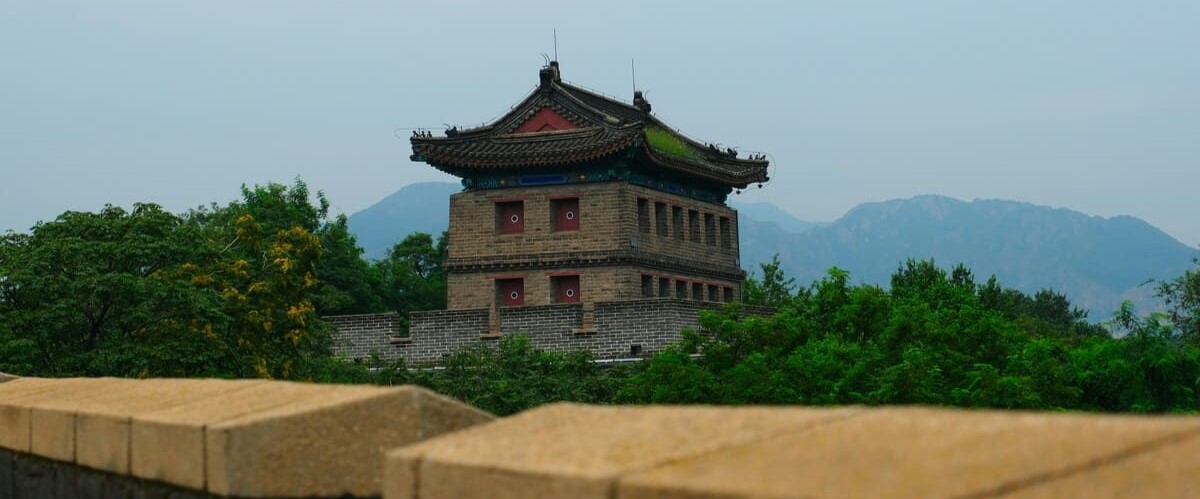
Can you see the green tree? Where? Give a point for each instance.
(266, 265)
(96, 294)
(773, 290)
(412, 276)
(346, 283)
(1182, 296)
(514, 376)
(936, 338)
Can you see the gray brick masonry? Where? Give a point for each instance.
(622, 329)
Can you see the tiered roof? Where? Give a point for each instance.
(560, 124)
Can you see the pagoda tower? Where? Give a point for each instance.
(574, 197)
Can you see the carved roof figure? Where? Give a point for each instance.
(560, 124)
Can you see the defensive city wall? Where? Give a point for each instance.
(615, 330)
(191, 439)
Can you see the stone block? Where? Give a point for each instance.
(168, 445)
(567, 450)
(102, 423)
(36, 404)
(328, 446)
(908, 452)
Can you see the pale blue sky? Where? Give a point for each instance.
(1089, 105)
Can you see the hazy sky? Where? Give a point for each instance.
(1090, 105)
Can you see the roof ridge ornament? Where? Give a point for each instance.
(549, 75)
(640, 102)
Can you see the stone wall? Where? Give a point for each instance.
(619, 329)
(184, 438)
(624, 231)
(602, 452)
(359, 335)
(192, 439)
(26, 476)
(473, 234)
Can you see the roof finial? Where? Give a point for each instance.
(556, 44)
(549, 73)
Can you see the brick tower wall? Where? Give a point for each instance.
(625, 232)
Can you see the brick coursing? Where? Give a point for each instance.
(619, 326)
(359, 335)
(624, 231)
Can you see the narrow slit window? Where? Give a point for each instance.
(728, 294)
(710, 230)
(664, 287)
(697, 291)
(677, 222)
(643, 207)
(726, 233)
(660, 219)
(714, 293)
(647, 286)
(694, 225)
(681, 289)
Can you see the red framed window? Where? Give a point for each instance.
(510, 292)
(565, 213)
(510, 217)
(565, 288)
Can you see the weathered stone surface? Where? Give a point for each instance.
(567, 450)
(102, 423)
(44, 409)
(680, 452)
(1171, 470)
(5, 377)
(909, 453)
(328, 446)
(168, 445)
(233, 438)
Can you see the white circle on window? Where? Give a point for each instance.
(514, 219)
(570, 215)
(513, 295)
(570, 292)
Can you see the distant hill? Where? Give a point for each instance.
(1097, 262)
(769, 213)
(422, 207)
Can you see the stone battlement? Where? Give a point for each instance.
(244, 438)
(107, 437)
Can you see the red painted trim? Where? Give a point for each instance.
(508, 276)
(545, 120)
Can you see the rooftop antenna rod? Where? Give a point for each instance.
(633, 74)
(556, 44)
